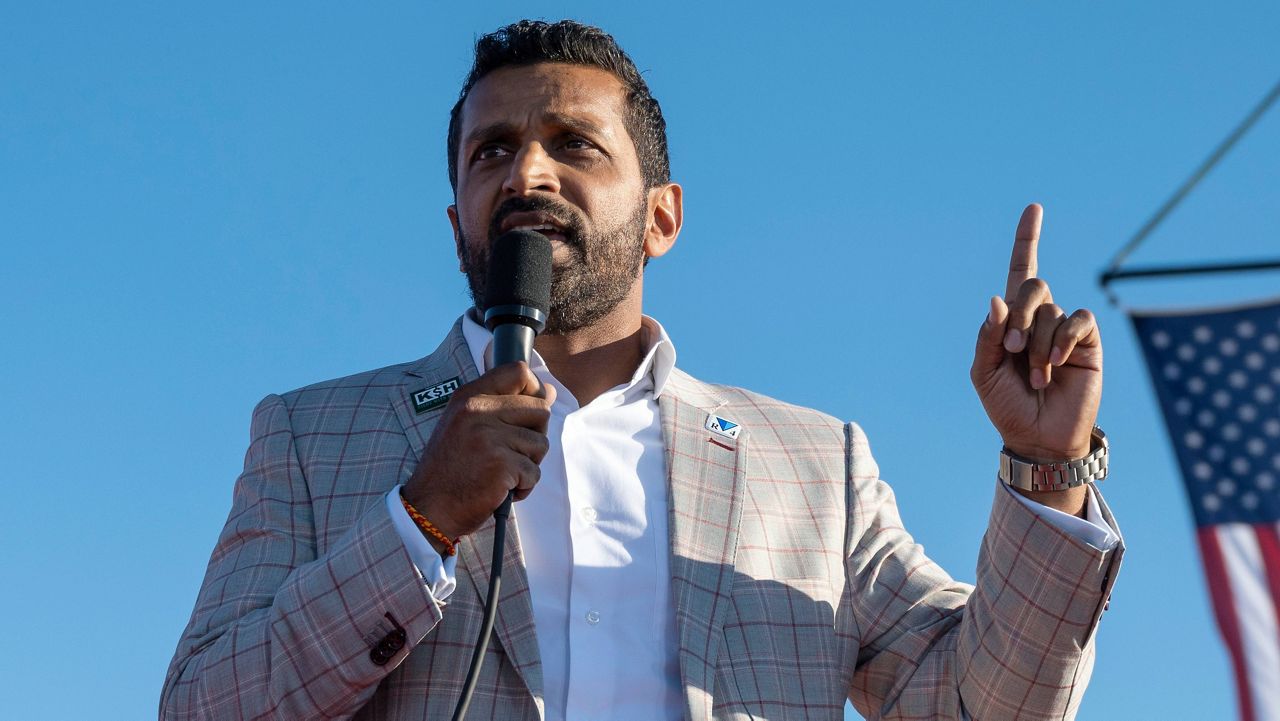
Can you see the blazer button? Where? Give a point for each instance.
(394, 641)
(387, 647)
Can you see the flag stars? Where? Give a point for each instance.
(1219, 380)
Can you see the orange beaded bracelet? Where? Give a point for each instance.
(450, 546)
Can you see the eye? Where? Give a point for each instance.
(577, 143)
(490, 151)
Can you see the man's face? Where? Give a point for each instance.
(544, 147)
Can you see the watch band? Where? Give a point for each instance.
(1059, 476)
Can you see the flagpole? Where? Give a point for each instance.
(1165, 270)
(1113, 271)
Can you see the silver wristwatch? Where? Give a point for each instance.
(1031, 476)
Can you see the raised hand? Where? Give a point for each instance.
(490, 440)
(1037, 370)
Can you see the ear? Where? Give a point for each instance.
(452, 212)
(666, 215)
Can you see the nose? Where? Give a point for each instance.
(532, 170)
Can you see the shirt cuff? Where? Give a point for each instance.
(437, 573)
(1092, 529)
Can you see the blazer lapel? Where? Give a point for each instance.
(705, 485)
(418, 405)
(424, 390)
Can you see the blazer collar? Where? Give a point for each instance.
(705, 486)
(513, 626)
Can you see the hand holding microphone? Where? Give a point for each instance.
(492, 436)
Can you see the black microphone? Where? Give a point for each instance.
(517, 294)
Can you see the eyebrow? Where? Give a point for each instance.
(503, 128)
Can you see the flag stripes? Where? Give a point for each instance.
(1217, 376)
(1228, 621)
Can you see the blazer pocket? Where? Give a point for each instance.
(780, 640)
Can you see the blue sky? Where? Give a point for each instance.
(200, 206)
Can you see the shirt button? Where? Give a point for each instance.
(593, 617)
(589, 515)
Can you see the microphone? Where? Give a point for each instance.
(518, 293)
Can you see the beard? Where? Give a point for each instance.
(586, 287)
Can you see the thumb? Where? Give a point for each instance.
(509, 379)
(990, 351)
(548, 393)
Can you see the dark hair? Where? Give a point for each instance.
(533, 41)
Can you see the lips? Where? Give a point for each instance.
(558, 221)
(539, 222)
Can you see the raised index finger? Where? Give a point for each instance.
(1022, 264)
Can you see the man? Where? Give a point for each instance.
(689, 550)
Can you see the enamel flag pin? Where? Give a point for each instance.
(437, 395)
(723, 426)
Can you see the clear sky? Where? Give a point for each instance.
(203, 205)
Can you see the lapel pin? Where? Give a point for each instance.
(723, 426)
(437, 395)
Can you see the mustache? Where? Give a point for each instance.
(565, 215)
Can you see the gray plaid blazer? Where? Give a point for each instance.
(794, 584)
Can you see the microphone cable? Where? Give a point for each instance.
(490, 607)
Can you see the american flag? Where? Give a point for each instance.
(1217, 375)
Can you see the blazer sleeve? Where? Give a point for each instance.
(1019, 644)
(280, 631)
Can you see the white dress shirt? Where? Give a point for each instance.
(594, 537)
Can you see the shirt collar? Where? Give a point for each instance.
(657, 364)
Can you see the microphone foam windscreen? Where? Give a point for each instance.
(520, 271)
